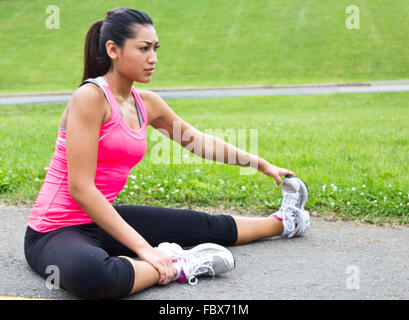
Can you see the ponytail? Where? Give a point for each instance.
(118, 26)
(95, 64)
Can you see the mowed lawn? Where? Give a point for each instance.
(351, 150)
(214, 42)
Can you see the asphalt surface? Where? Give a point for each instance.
(237, 91)
(334, 260)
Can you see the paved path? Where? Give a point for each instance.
(218, 92)
(334, 260)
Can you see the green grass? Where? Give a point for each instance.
(214, 42)
(352, 151)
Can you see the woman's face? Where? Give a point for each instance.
(138, 56)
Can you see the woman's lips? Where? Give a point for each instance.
(149, 70)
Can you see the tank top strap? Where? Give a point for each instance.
(140, 107)
(101, 83)
(116, 111)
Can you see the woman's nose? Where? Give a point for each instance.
(153, 57)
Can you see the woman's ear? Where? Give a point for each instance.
(112, 49)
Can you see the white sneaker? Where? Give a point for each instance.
(207, 259)
(295, 219)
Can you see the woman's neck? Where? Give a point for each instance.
(120, 86)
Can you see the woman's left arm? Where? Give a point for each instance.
(164, 119)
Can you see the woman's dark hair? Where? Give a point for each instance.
(117, 26)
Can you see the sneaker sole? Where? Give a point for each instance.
(305, 221)
(304, 189)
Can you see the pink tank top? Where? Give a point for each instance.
(120, 148)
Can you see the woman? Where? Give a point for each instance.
(102, 136)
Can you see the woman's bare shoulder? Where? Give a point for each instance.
(88, 93)
(146, 95)
(87, 99)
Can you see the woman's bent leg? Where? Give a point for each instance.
(84, 269)
(145, 275)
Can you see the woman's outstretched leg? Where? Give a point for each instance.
(290, 221)
(250, 229)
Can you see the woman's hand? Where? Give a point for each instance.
(275, 172)
(161, 262)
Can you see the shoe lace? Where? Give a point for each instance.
(289, 200)
(199, 266)
(287, 204)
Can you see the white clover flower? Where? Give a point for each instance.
(126, 187)
(334, 188)
(161, 189)
(390, 186)
(166, 181)
(143, 183)
(197, 170)
(243, 188)
(131, 193)
(167, 196)
(348, 203)
(158, 184)
(375, 201)
(353, 189)
(332, 204)
(36, 179)
(362, 193)
(180, 181)
(177, 190)
(364, 186)
(324, 187)
(133, 182)
(136, 186)
(46, 168)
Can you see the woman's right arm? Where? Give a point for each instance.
(84, 119)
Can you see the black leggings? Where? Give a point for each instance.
(86, 256)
